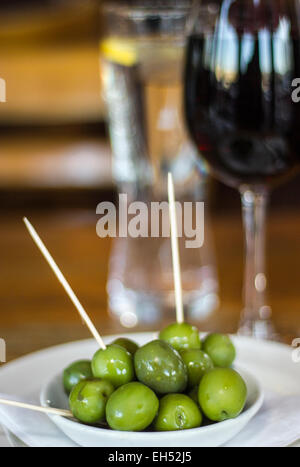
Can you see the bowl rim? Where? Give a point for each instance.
(72, 424)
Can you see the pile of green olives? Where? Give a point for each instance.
(172, 383)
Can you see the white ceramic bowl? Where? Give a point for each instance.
(207, 436)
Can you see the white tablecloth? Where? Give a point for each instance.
(4, 442)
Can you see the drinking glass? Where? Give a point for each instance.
(142, 57)
(242, 58)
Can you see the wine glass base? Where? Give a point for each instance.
(259, 329)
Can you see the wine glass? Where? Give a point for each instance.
(242, 57)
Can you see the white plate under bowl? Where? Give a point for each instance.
(270, 362)
(53, 395)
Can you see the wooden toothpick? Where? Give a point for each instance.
(37, 408)
(64, 283)
(175, 252)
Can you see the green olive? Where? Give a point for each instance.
(88, 400)
(220, 349)
(222, 394)
(159, 366)
(76, 372)
(193, 394)
(177, 412)
(127, 344)
(197, 363)
(181, 336)
(132, 407)
(114, 364)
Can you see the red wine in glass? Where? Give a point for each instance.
(242, 58)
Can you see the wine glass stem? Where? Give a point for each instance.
(256, 316)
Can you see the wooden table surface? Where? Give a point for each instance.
(35, 312)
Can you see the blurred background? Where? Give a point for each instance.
(52, 126)
(55, 166)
